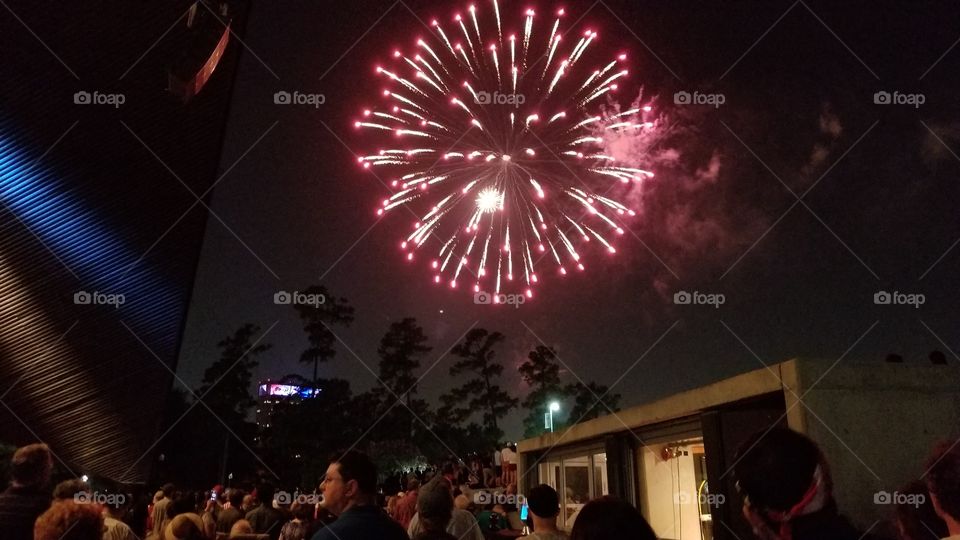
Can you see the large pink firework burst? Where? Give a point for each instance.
(493, 142)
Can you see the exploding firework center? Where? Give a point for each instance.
(490, 200)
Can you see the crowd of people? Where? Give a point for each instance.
(782, 476)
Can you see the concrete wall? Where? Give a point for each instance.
(876, 424)
(683, 404)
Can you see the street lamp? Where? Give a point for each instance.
(552, 408)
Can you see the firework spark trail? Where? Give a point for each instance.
(506, 185)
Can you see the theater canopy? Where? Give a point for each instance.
(104, 178)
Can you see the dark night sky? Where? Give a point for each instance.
(883, 214)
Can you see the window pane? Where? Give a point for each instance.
(576, 488)
(600, 486)
(550, 474)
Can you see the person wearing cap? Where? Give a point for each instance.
(462, 524)
(349, 492)
(434, 509)
(544, 505)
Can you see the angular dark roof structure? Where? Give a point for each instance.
(104, 182)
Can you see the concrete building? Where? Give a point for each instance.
(673, 457)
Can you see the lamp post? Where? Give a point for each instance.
(552, 408)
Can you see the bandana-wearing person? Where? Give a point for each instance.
(787, 489)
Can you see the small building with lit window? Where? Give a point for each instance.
(672, 458)
(291, 389)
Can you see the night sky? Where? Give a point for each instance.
(878, 187)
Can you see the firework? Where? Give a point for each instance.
(496, 148)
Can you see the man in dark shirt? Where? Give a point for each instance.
(26, 498)
(265, 519)
(232, 513)
(349, 492)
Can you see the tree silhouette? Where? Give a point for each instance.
(542, 374)
(477, 358)
(452, 410)
(225, 388)
(586, 403)
(399, 432)
(317, 320)
(400, 350)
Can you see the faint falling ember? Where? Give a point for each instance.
(495, 147)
